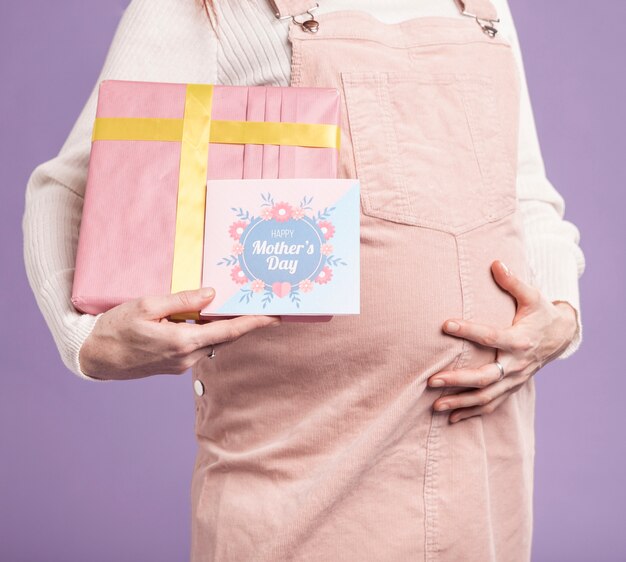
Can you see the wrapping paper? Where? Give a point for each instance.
(155, 145)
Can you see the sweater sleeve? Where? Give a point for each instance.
(156, 40)
(556, 259)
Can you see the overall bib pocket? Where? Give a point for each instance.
(427, 148)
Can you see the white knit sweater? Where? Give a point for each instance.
(172, 41)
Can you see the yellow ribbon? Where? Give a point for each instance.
(195, 131)
(188, 240)
(224, 132)
(137, 129)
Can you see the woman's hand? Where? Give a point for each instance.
(135, 339)
(541, 330)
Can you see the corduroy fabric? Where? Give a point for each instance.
(319, 442)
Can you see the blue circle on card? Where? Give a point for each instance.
(282, 250)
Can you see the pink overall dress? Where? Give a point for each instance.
(318, 442)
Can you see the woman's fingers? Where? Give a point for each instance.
(480, 397)
(524, 293)
(474, 378)
(489, 408)
(185, 343)
(158, 307)
(491, 336)
(519, 351)
(508, 339)
(252, 323)
(221, 331)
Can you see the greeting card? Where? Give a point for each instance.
(282, 246)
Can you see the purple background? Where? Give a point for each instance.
(101, 472)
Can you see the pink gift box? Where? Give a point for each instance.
(126, 246)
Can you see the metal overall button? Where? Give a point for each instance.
(198, 387)
(310, 24)
(486, 25)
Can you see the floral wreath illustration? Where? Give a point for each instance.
(281, 213)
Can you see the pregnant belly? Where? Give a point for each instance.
(412, 280)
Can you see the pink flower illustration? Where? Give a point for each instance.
(327, 228)
(238, 276)
(236, 229)
(306, 286)
(324, 276)
(326, 249)
(282, 211)
(237, 249)
(267, 214)
(257, 285)
(297, 213)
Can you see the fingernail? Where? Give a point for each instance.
(275, 323)
(207, 292)
(506, 269)
(443, 406)
(452, 326)
(437, 382)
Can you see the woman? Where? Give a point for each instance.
(341, 440)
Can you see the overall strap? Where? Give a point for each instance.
(483, 11)
(300, 11)
(291, 8)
